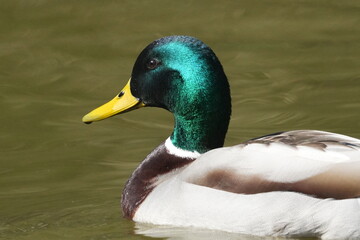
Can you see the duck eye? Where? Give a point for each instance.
(152, 64)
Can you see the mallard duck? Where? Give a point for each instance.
(295, 183)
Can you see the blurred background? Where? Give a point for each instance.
(291, 65)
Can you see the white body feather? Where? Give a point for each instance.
(178, 201)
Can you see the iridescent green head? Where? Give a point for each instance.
(183, 75)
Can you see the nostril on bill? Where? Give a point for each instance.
(121, 94)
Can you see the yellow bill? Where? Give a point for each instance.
(123, 102)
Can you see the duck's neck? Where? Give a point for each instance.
(203, 132)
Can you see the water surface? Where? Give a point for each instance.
(291, 65)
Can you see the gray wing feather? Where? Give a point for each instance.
(311, 138)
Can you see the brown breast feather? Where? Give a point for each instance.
(144, 178)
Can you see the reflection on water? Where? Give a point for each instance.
(291, 65)
(177, 233)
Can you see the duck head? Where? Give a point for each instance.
(182, 75)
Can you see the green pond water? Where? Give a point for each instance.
(291, 65)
